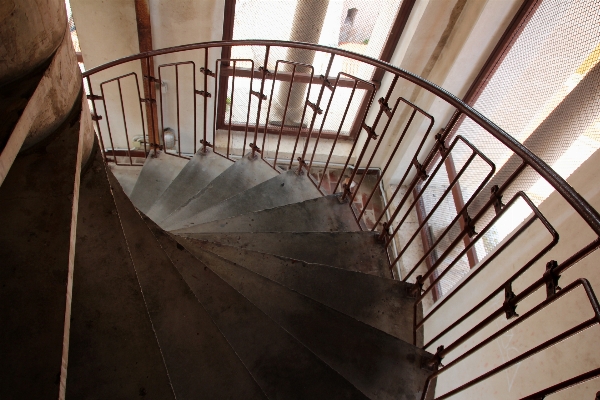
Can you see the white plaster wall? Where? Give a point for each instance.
(176, 23)
(565, 360)
(107, 31)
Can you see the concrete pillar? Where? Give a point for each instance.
(40, 82)
(306, 27)
(30, 33)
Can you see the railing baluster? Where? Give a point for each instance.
(231, 111)
(162, 117)
(260, 100)
(248, 113)
(137, 83)
(362, 153)
(285, 110)
(314, 152)
(337, 135)
(312, 121)
(96, 118)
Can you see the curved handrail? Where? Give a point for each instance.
(583, 208)
(553, 268)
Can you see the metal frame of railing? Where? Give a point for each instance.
(424, 166)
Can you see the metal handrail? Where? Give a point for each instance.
(579, 204)
(583, 208)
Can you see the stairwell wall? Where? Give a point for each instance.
(107, 31)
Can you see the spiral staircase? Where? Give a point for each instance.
(264, 304)
(217, 275)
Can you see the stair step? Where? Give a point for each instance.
(127, 175)
(191, 344)
(379, 365)
(286, 188)
(354, 251)
(156, 176)
(244, 174)
(113, 351)
(323, 214)
(36, 204)
(282, 366)
(382, 303)
(197, 173)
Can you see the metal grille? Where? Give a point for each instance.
(545, 93)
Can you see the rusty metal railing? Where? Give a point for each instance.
(391, 130)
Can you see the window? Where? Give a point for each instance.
(357, 25)
(545, 92)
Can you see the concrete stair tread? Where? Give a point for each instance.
(127, 175)
(197, 173)
(191, 345)
(379, 302)
(283, 189)
(244, 174)
(282, 366)
(323, 214)
(354, 251)
(156, 175)
(379, 365)
(113, 352)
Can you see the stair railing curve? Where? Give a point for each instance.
(427, 154)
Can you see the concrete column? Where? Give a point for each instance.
(30, 33)
(306, 27)
(39, 78)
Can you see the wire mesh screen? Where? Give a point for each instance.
(356, 25)
(545, 93)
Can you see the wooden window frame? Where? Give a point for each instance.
(386, 55)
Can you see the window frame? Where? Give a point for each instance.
(386, 55)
